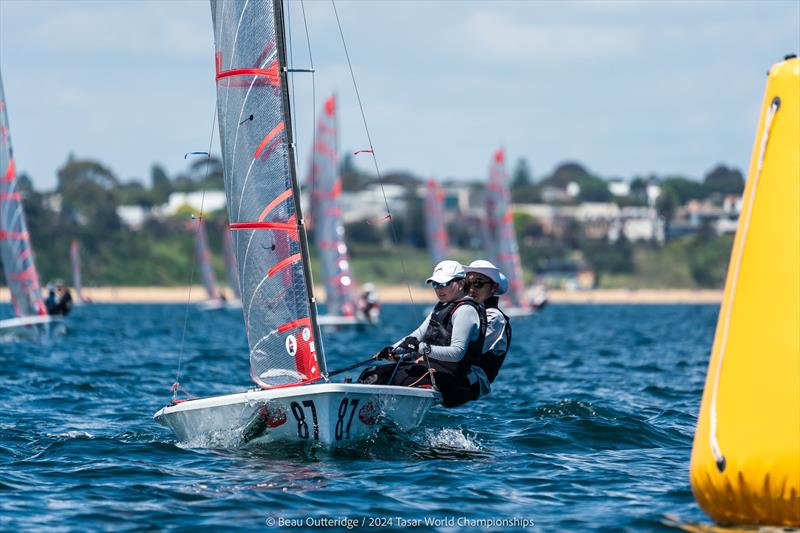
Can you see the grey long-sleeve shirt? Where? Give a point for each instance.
(466, 328)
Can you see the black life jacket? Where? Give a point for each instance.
(491, 362)
(440, 331)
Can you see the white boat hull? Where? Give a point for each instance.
(516, 312)
(329, 413)
(33, 327)
(212, 305)
(335, 320)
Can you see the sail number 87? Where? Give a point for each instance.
(343, 421)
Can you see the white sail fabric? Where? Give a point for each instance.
(435, 228)
(203, 256)
(230, 264)
(15, 247)
(75, 260)
(326, 188)
(254, 132)
(501, 230)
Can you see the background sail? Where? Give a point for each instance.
(15, 247)
(435, 228)
(75, 260)
(230, 264)
(326, 187)
(501, 230)
(258, 183)
(203, 254)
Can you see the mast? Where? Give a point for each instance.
(280, 35)
(74, 252)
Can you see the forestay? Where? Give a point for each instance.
(501, 229)
(262, 194)
(15, 247)
(326, 188)
(435, 228)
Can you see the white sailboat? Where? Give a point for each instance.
(209, 279)
(502, 241)
(341, 298)
(77, 280)
(294, 399)
(16, 252)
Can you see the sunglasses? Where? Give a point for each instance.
(437, 285)
(478, 284)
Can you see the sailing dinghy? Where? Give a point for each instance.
(326, 215)
(502, 242)
(22, 277)
(231, 271)
(203, 253)
(77, 282)
(294, 400)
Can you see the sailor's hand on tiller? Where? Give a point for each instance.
(385, 353)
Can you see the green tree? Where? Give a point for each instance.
(724, 180)
(686, 189)
(162, 186)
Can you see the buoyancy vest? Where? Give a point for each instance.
(491, 362)
(440, 331)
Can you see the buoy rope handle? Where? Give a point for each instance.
(713, 440)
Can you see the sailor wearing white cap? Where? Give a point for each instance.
(451, 338)
(485, 283)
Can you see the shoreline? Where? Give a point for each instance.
(403, 294)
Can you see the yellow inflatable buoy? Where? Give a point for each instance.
(745, 466)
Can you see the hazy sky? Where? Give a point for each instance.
(624, 87)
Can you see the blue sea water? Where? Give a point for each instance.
(589, 428)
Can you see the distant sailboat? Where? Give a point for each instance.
(231, 270)
(77, 283)
(203, 255)
(435, 227)
(22, 277)
(295, 401)
(502, 241)
(341, 298)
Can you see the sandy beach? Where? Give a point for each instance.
(403, 294)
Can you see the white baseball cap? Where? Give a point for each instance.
(482, 266)
(446, 271)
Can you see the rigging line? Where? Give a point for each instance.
(415, 311)
(191, 271)
(375, 160)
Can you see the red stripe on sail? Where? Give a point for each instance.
(328, 245)
(24, 254)
(25, 275)
(323, 149)
(9, 196)
(217, 63)
(10, 171)
(279, 226)
(271, 73)
(271, 135)
(283, 264)
(13, 235)
(294, 324)
(280, 198)
(499, 156)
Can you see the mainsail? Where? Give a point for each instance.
(262, 193)
(75, 260)
(230, 264)
(15, 247)
(203, 254)
(501, 230)
(326, 187)
(435, 228)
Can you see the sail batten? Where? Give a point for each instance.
(16, 253)
(263, 200)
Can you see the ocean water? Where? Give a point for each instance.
(589, 428)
